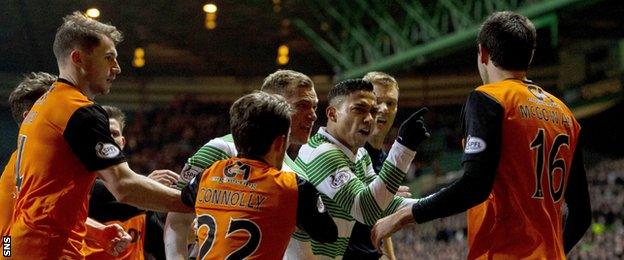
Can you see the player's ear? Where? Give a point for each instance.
(280, 144)
(123, 143)
(484, 54)
(330, 112)
(24, 114)
(76, 57)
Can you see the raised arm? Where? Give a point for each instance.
(327, 168)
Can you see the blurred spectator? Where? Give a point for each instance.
(164, 137)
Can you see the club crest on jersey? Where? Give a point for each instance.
(540, 94)
(106, 151)
(474, 145)
(237, 168)
(339, 178)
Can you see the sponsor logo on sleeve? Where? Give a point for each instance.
(319, 205)
(189, 172)
(106, 151)
(339, 178)
(474, 145)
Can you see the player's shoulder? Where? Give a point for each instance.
(362, 154)
(320, 150)
(224, 143)
(494, 91)
(65, 98)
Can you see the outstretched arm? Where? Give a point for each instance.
(577, 200)
(139, 191)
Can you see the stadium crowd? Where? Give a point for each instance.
(157, 142)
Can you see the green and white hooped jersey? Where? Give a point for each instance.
(350, 188)
(222, 148)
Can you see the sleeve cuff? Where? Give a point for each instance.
(400, 156)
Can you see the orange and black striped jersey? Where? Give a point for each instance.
(537, 135)
(7, 195)
(247, 209)
(64, 138)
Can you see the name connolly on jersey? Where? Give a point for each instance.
(228, 198)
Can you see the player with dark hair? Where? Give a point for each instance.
(245, 206)
(386, 90)
(521, 159)
(335, 161)
(65, 142)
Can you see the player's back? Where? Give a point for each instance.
(52, 181)
(245, 209)
(522, 216)
(7, 195)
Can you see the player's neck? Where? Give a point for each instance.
(331, 130)
(78, 82)
(496, 75)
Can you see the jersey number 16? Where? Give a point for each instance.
(554, 163)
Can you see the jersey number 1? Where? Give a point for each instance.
(554, 163)
(236, 225)
(21, 141)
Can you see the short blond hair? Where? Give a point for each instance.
(279, 82)
(380, 78)
(79, 31)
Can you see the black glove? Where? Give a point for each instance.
(413, 130)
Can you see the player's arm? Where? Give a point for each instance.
(328, 169)
(312, 216)
(577, 200)
(88, 134)
(175, 244)
(178, 225)
(112, 238)
(215, 150)
(142, 192)
(176, 231)
(483, 121)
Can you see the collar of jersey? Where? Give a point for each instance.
(335, 141)
(253, 161)
(67, 84)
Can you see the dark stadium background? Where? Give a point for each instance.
(179, 99)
